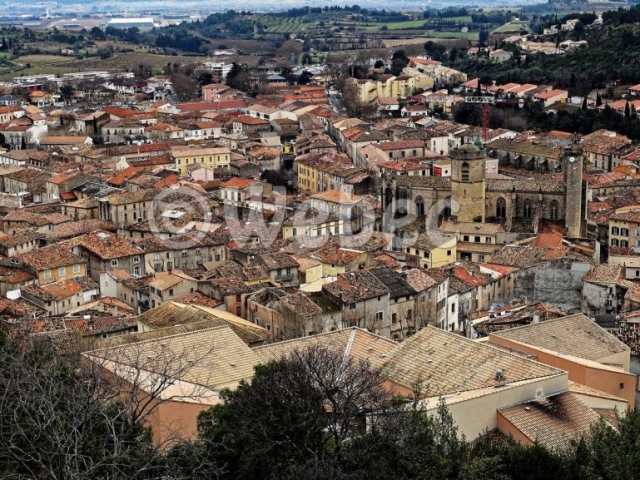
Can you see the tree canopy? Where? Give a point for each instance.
(313, 415)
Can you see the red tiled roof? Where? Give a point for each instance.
(153, 161)
(16, 128)
(106, 245)
(50, 257)
(154, 147)
(551, 94)
(549, 240)
(221, 105)
(167, 181)
(247, 120)
(63, 140)
(237, 182)
(468, 277)
(423, 61)
(124, 175)
(80, 227)
(61, 177)
(10, 108)
(68, 196)
(403, 144)
(502, 269)
(120, 112)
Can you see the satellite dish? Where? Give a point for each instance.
(572, 159)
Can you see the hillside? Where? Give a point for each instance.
(612, 54)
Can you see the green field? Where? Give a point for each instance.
(398, 25)
(130, 61)
(457, 35)
(282, 25)
(465, 19)
(512, 27)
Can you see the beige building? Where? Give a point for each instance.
(476, 242)
(432, 249)
(364, 300)
(238, 191)
(185, 251)
(309, 223)
(60, 297)
(624, 227)
(348, 208)
(285, 315)
(386, 86)
(105, 251)
(489, 388)
(52, 264)
(213, 157)
(168, 286)
(82, 209)
(125, 208)
(217, 358)
(478, 391)
(20, 242)
(554, 96)
(591, 356)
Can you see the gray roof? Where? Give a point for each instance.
(394, 281)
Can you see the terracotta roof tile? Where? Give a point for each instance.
(356, 286)
(555, 422)
(223, 366)
(446, 363)
(107, 245)
(358, 344)
(574, 335)
(124, 175)
(238, 182)
(604, 273)
(50, 257)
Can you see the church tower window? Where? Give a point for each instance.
(501, 208)
(464, 172)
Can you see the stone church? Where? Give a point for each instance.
(471, 195)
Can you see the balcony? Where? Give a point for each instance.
(284, 278)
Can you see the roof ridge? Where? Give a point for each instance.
(487, 345)
(546, 321)
(323, 334)
(158, 339)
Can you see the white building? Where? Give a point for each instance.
(145, 23)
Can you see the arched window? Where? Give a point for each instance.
(526, 213)
(446, 213)
(553, 210)
(419, 206)
(501, 208)
(464, 172)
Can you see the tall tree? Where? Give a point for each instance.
(302, 408)
(54, 424)
(399, 61)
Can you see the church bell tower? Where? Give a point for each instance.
(572, 166)
(468, 183)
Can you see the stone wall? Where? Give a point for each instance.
(558, 283)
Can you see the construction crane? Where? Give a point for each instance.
(485, 101)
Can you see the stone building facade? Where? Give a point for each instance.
(470, 195)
